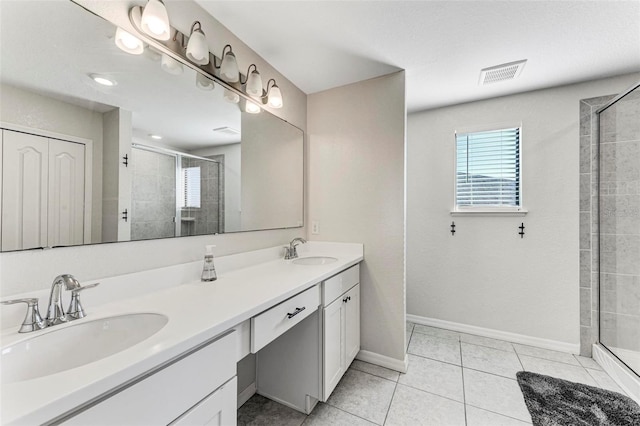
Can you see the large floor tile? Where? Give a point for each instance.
(259, 410)
(588, 362)
(605, 381)
(437, 332)
(434, 376)
(409, 328)
(545, 354)
(413, 407)
(479, 417)
(486, 341)
(447, 350)
(376, 370)
(494, 393)
(560, 370)
(490, 360)
(363, 395)
(326, 415)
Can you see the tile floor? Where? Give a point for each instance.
(453, 379)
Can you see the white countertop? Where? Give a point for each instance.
(197, 311)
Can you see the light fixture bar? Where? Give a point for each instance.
(174, 48)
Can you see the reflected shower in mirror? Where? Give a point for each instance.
(154, 153)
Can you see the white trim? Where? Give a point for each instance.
(489, 212)
(629, 382)
(384, 361)
(246, 394)
(43, 133)
(573, 348)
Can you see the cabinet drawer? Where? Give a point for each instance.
(270, 324)
(219, 408)
(335, 286)
(166, 394)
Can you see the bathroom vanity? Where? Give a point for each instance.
(301, 320)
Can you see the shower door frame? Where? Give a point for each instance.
(597, 132)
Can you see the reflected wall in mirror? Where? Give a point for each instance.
(81, 162)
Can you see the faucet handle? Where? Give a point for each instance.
(32, 320)
(75, 310)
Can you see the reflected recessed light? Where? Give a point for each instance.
(156, 137)
(101, 79)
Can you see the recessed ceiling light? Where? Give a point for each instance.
(101, 79)
(156, 137)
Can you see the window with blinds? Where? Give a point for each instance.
(191, 187)
(488, 169)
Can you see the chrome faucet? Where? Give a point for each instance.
(55, 312)
(291, 252)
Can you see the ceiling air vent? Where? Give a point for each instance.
(227, 130)
(501, 72)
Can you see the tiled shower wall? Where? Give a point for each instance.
(619, 222)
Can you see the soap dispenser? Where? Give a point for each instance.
(208, 269)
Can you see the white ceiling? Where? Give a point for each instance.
(442, 45)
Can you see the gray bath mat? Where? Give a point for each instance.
(554, 402)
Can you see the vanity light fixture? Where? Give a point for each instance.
(155, 20)
(152, 54)
(170, 65)
(254, 82)
(229, 66)
(273, 96)
(252, 108)
(203, 82)
(129, 43)
(105, 81)
(197, 49)
(231, 96)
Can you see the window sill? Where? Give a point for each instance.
(489, 212)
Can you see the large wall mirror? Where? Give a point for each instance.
(157, 154)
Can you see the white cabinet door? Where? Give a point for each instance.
(334, 340)
(25, 163)
(352, 323)
(66, 193)
(217, 409)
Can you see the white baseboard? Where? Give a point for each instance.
(247, 393)
(573, 348)
(384, 361)
(628, 381)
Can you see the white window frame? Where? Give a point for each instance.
(183, 198)
(486, 210)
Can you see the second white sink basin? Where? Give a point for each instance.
(314, 260)
(76, 345)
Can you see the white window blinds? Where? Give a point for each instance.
(191, 187)
(488, 168)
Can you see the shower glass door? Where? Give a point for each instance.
(619, 227)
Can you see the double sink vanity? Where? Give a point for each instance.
(162, 347)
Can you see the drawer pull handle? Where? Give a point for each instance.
(296, 312)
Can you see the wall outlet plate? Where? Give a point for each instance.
(315, 227)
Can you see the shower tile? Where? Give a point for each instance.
(585, 154)
(620, 254)
(619, 161)
(585, 192)
(585, 341)
(620, 214)
(585, 109)
(585, 124)
(585, 231)
(585, 268)
(585, 307)
(490, 360)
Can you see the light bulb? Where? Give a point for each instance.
(197, 49)
(252, 108)
(229, 68)
(203, 82)
(231, 96)
(129, 43)
(155, 20)
(170, 65)
(275, 97)
(254, 84)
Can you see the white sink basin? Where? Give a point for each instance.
(76, 345)
(314, 260)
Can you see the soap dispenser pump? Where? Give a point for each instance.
(208, 269)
